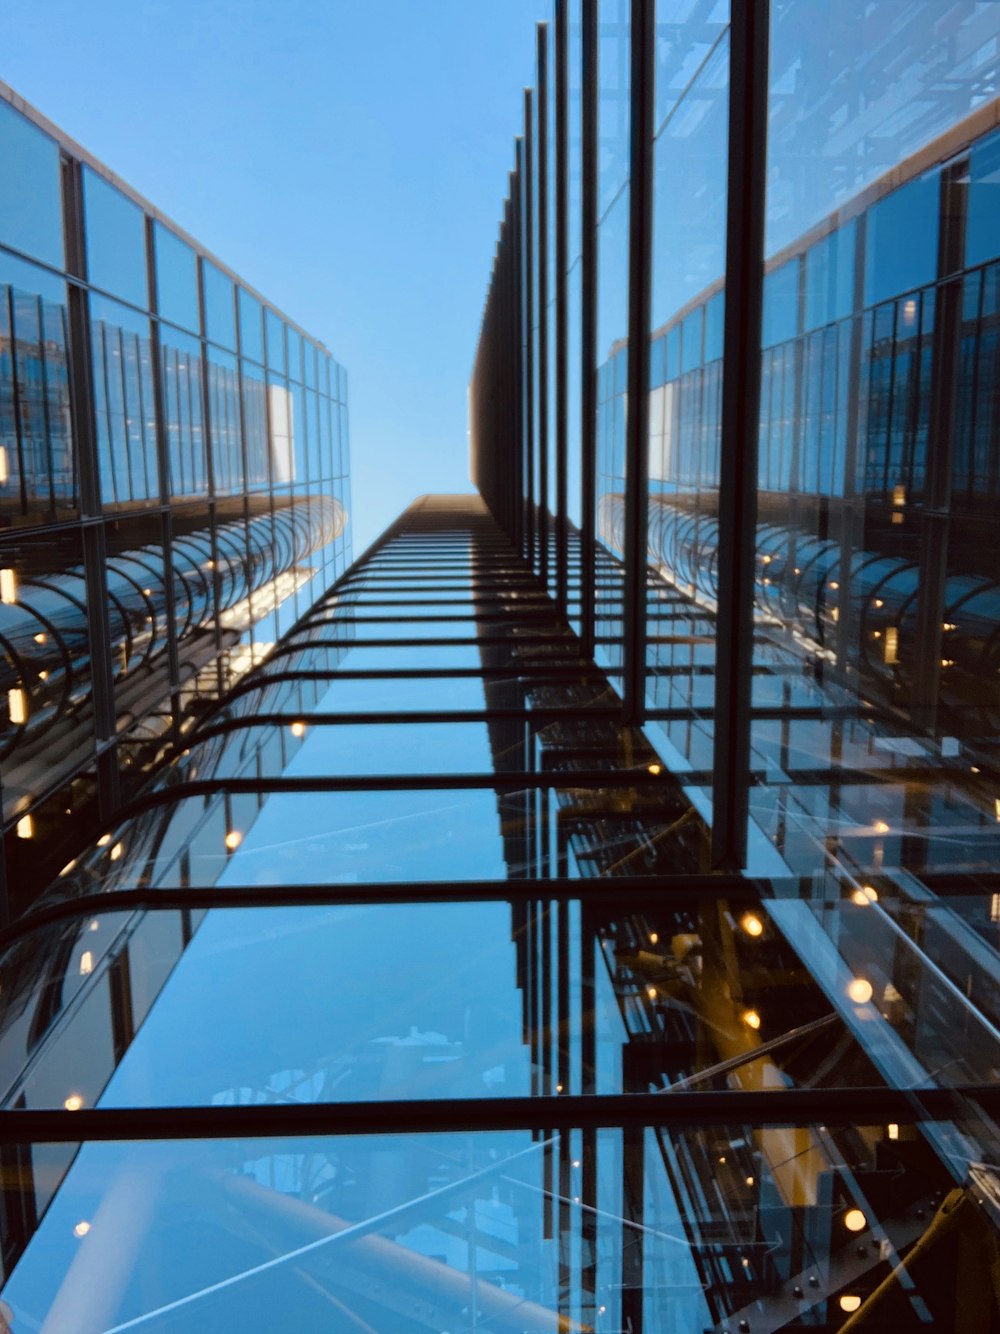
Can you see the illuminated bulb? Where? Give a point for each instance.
(43, 676)
(654, 938)
(974, 769)
(834, 585)
(949, 625)
(73, 1103)
(576, 1162)
(909, 315)
(722, 1158)
(116, 851)
(855, 1221)
(4, 466)
(749, 1181)
(752, 924)
(651, 993)
(796, 570)
(655, 768)
(891, 652)
(8, 585)
(947, 662)
(68, 867)
(559, 1088)
(86, 963)
(996, 807)
(899, 495)
(751, 1018)
(94, 925)
(17, 705)
(870, 893)
(893, 1130)
(878, 603)
(298, 729)
(850, 1301)
(859, 990)
(233, 839)
(40, 638)
(860, 898)
(880, 827)
(104, 840)
(766, 560)
(26, 827)
(81, 1229)
(148, 592)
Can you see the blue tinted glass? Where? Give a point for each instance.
(657, 362)
(309, 363)
(781, 304)
(220, 318)
(30, 202)
(294, 354)
(691, 341)
(983, 235)
(902, 240)
(251, 331)
(275, 341)
(830, 277)
(715, 315)
(176, 280)
(116, 240)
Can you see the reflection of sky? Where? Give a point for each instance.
(335, 1004)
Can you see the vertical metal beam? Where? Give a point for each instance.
(561, 73)
(529, 337)
(588, 324)
(639, 303)
(517, 290)
(748, 62)
(542, 261)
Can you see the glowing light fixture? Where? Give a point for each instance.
(850, 1301)
(752, 924)
(892, 1130)
(655, 768)
(26, 827)
(859, 990)
(751, 1018)
(233, 839)
(4, 466)
(86, 963)
(73, 1103)
(891, 651)
(880, 827)
(855, 1221)
(651, 993)
(82, 1228)
(298, 729)
(40, 638)
(17, 705)
(8, 585)
(116, 851)
(104, 840)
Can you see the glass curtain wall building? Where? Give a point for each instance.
(566, 926)
(173, 487)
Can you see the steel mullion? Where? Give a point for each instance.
(588, 317)
(739, 444)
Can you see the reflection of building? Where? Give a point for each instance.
(447, 979)
(173, 461)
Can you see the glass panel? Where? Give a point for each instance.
(116, 240)
(30, 193)
(876, 542)
(275, 341)
(176, 279)
(251, 327)
(121, 361)
(38, 473)
(224, 415)
(220, 316)
(180, 360)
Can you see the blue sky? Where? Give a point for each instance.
(348, 157)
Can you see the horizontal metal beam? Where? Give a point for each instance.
(724, 1108)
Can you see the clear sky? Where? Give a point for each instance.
(348, 157)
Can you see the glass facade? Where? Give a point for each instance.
(582, 913)
(164, 500)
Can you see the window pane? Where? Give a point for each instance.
(123, 402)
(220, 318)
(116, 240)
(251, 330)
(275, 341)
(30, 202)
(176, 280)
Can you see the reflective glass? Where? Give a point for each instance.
(38, 472)
(116, 240)
(30, 190)
(251, 327)
(176, 279)
(224, 415)
(121, 363)
(220, 316)
(275, 330)
(180, 361)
